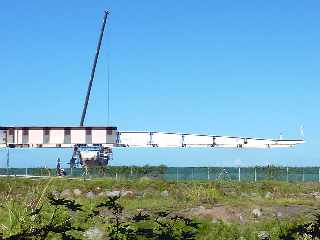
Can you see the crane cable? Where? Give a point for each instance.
(108, 93)
(108, 76)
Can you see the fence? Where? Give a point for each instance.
(289, 174)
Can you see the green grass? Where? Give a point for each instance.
(19, 194)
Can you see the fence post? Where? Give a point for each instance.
(177, 175)
(131, 173)
(239, 175)
(208, 173)
(8, 161)
(26, 171)
(287, 174)
(255, 174)
(116, 176)
(192, 174)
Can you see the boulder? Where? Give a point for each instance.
(164, 193)
(77, 192)
(268, 195)
(66, 193)
(241, 219)
(90, 195)
(201, 208)
(316, 195)
(214, 221)
(93, 233)
(127, 193)
(198, 209)
(102, 194)
(244, 194)
(113, 193)
(55, 194)
(257, 213)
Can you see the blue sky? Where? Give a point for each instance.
(239, 68)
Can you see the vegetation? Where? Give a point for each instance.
(61, 208)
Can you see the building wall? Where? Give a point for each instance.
(44, 136)
(3, 136)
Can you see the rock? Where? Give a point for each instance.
(316, 195)
(233, 193)
(164, 193)
(244, 194)
(113, 193)
(102, 194)
(214, 221)
(147, 194)
(105, 213)
(93, 233)
(263, 235)
(241, 219)
(193, 210)
(279, 214)
(77, 192)
(256, 213)
(254, 194)
(90, 195)
(268, 195)
(127, 193)
(55, 194)
(201, 208)
(65, 193)
(197, 209)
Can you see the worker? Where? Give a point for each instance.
(58, 168)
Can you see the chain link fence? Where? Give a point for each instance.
(289, 174)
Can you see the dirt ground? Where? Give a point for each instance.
(243, 215)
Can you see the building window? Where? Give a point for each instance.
(67, 132)
(109, 132)
(25, 132)
(11, 131)
(88, 131)
(46, 131)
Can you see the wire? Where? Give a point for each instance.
(108, 94)
(108, 74)
(108, 51)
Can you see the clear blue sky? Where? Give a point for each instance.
(243, 68)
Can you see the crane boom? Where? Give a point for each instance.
(85, 106)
